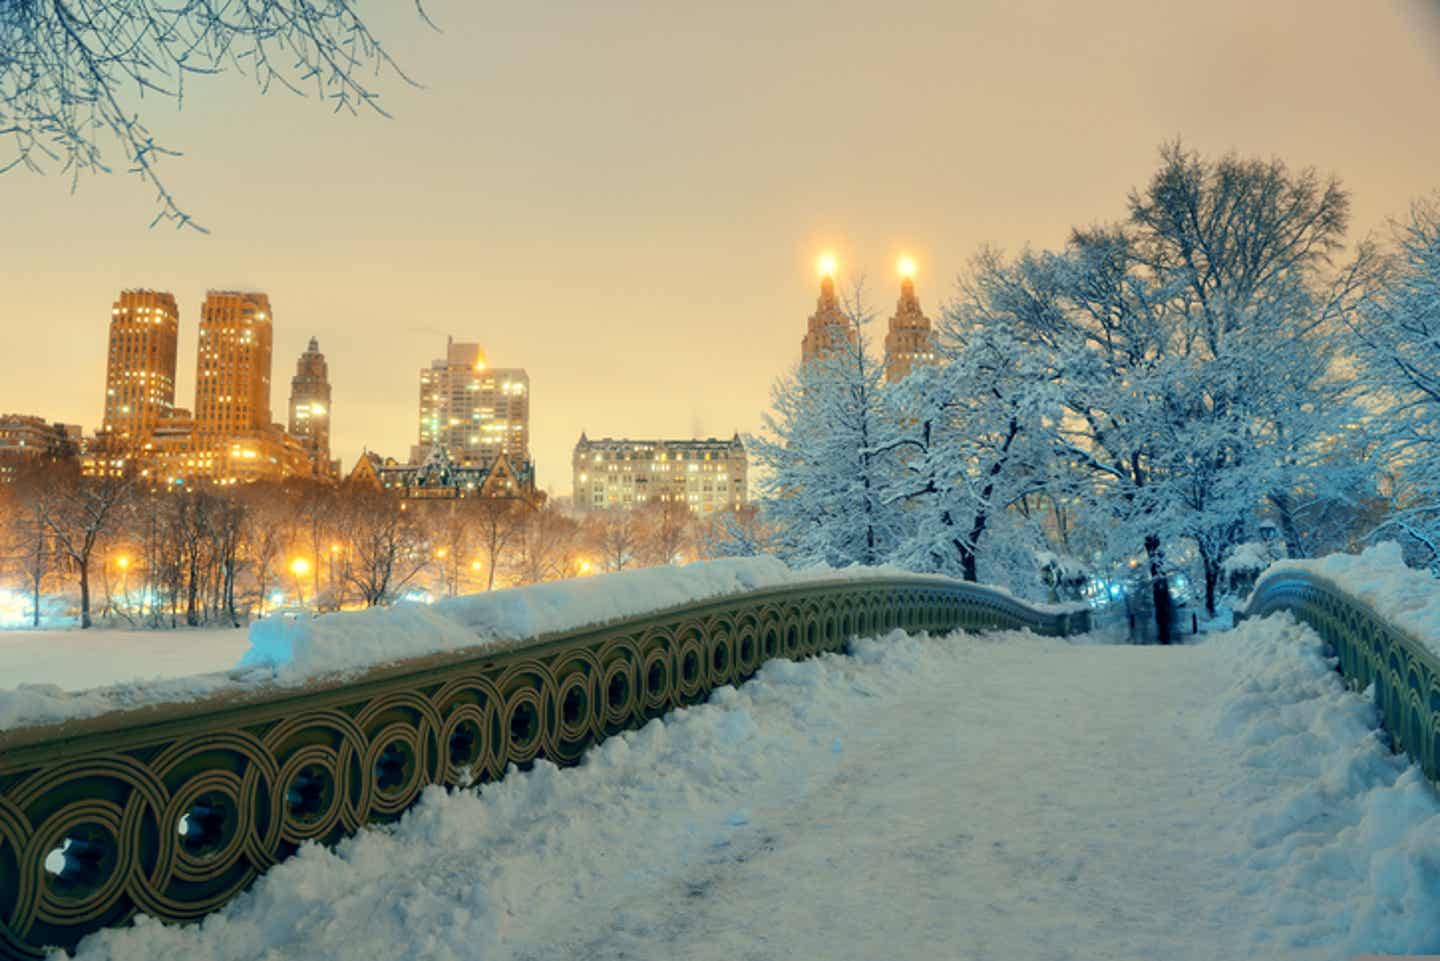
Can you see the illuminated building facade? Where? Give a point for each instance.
(910, 342)
(474, 411)
(232, 365)
(440, 478)
(827, 328)
(229, 439)
(26, 440)
(310, 408)
(139, 367)
(705, 475)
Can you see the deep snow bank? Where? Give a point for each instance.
(1404, 596)
(291, 651)
(296, 650)
(1344, 844)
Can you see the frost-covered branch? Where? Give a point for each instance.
(73, 71)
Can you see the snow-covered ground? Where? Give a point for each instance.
(75, 660)
(999, 797)
(56, 675)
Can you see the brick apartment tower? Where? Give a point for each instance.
(232, 368)
(140, 366)
(828, 327)
(310, 407)
(910, 342)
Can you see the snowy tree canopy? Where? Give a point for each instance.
(1397, 338)
(824, 476)
(1174, 378)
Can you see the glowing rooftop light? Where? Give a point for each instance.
(906, 267)
(827, 265)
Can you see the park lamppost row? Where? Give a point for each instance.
(123, 563)
(299, 567)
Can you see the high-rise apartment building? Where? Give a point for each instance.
(232, 366)
(139, 367)
(827, 328)
(910, 342)
(310, 408)
(705, 475)
(474, 411)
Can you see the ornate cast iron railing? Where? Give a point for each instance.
(172, 810)
(1370, 651)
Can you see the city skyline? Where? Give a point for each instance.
(661, 292)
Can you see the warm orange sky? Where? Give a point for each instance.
(626, 198)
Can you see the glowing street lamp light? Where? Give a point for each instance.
(122, 562)
(299, 567)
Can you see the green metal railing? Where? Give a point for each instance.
(1370, 650)
(172, 810)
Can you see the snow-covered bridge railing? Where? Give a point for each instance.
(171, 810)
(1371, 649)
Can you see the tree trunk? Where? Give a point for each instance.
(1285, 508)
(84, 593)
(1212, 579)
(969, 567)
(1159, 590)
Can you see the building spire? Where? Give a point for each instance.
(910, 342)
(828, 327)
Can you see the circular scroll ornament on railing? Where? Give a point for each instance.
(173, 828)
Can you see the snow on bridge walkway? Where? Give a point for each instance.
(996, 797)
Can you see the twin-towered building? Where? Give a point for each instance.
(229, 437)
(909, 342)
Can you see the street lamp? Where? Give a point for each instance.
(299, 567)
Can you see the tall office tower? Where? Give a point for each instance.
(910, 342)
(828, 328)
(140, 367)
(472, 410)
(310, 407)
(232, 370)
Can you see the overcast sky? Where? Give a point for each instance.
(627, 199)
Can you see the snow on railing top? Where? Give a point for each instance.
(292, 652)
(1405, 597)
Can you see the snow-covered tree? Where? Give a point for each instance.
(1397, 338)
(971, 439)
(824, 478)
(1194, 345)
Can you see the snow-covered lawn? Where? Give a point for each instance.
(73, 659)
(995, 797)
